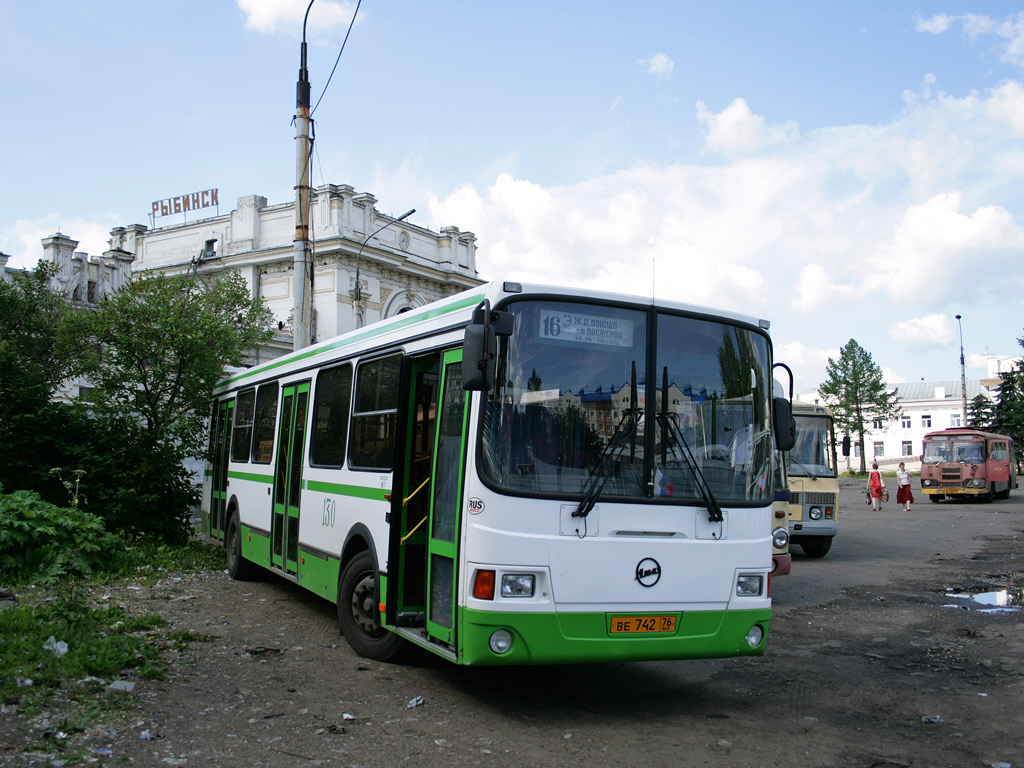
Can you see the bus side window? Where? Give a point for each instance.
(241, 435)
(375, 416)
(999, 451)
(330, 416)
(265, 421)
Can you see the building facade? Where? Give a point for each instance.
(401, 267)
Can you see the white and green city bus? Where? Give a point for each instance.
(514, 475)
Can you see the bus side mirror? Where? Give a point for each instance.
(479, 347)
(846, 445)
(785, 424)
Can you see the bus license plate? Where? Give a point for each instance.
(642, 624)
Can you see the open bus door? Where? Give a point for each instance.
(423, 543)
(446, 501)
(291, 433)
(220, 431)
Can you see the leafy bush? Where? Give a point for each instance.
(42, 542)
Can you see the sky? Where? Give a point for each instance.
(843, 170)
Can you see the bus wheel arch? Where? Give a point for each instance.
(358, 601)
(239, 568)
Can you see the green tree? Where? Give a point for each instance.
(855, 392)
(31, 364)
(980, 412)
(153, 353)
(1008, 415)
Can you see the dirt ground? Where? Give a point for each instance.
(869, 664)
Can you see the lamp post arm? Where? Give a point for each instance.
(357, 293)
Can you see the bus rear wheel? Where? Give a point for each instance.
(358, 612)
(239, 568)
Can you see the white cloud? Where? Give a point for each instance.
(1009, 32)
(929, 331)
(659, 65)
(936, 245)
(936, 24)
(285, 17)
(816, 290)
(737, 131)
(24, 242)
(807, 363)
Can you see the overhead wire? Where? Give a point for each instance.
(354, 14)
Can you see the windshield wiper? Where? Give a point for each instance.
(804, 467)
(599, 475)
(714, 509)
(626, 429)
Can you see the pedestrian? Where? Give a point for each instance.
(876, 485)
(904, 495)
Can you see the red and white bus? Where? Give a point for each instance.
(964, 462)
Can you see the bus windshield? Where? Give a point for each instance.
(950, 452)
(571, 399)
(811, 456)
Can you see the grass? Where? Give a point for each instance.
(104, 641)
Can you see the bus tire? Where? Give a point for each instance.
(817, 546)
(935, 497)
(1005, 493)
(358, 612)
(239, 568)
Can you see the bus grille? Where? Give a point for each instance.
(813, 498)
(951, 474)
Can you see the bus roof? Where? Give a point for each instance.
(448, 314)
(946, 434)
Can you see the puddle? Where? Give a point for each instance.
(1007, 600)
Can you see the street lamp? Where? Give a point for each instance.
(963, 375)
(357, 294)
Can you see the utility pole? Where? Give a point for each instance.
(302, 311)
(963, 375)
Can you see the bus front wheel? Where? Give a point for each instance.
(358, 612)
(935, 497)
(817, 546)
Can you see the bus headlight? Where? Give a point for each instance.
(755, 636)
(749, 585)
(501, 641)
(815, 513)
(517, 585)
(780, 538)
(926, 482)
(976, 483)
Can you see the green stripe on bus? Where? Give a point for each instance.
(356, 491)
(400, 321)
(251, 476)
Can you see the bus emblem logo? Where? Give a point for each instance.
(648, 572)
(476, 506)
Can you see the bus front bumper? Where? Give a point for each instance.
(573, 638)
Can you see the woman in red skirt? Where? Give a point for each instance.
(876, 485)
(903, 495)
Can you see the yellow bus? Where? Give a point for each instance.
(813, 481)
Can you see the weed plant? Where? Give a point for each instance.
(51, 559)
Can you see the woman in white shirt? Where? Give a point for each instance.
(903, 495)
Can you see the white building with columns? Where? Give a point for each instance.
(401, 267)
